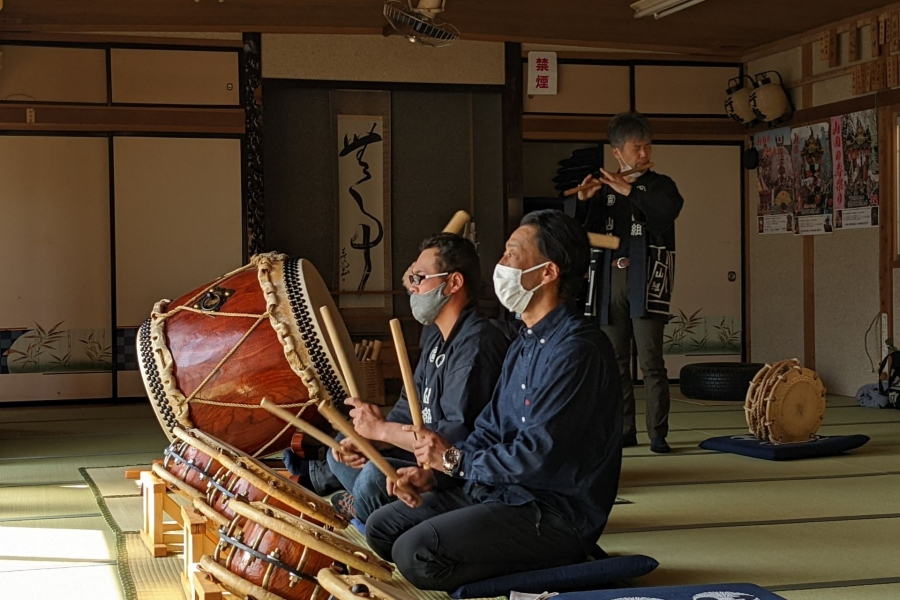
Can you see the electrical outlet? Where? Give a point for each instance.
(885, 336)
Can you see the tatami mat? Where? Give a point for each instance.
(657, 470)
(46, 501)
(63, 429)
(85, 539)
(36, 448)
(74, 582)
(64, 469)
(110, 481)
(754, 502)
(706, 516)
(768, 555)
(153, 578)
(74, 414)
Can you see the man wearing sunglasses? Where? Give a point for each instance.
(462, 354)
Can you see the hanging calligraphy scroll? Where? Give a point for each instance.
(362, 124)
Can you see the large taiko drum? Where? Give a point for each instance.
(272, 554)
(785, 403)
(215, 476)
(208, 358)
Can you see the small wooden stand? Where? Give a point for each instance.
(191, 534)
(204, 588)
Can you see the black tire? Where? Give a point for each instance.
(717, 381)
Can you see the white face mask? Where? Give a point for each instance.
(624, 166)
(508, 287)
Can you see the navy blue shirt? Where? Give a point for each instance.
(553, 430)
(455, 378)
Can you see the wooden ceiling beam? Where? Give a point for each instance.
(812, 35)
(723, 28)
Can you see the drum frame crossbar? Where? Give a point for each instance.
(173, 455)
(235, 543)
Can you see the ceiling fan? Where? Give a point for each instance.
(416, 21)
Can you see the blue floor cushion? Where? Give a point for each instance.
(583, 576)
(748, 445)
(711, 591)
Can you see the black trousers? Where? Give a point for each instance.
(453, 539)
(648, 338)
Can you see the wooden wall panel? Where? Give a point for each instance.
(47, 74)
(585, 89)
(178, 218)
(54, 240)
(175, 77)
(687, 90)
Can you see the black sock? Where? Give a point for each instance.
(298, 467)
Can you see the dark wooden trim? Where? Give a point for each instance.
(749, 229)
(513, 123)
(809, 302)
(592, 128)
(817, 114)
(113, 283)
(806, 62)
(809, 246)
(643, 57)
(114, 119)
(887, 221)
(120, 41)
(390, 86)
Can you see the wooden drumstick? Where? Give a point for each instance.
(596, 184)
(338, 421)
(412, 395)
(458, 223)
(600, 240)
(409, 383)
(341, 352)
(307, 428)
(376, 349)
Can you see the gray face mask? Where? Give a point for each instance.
(426, 307)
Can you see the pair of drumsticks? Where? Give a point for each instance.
(337, 420)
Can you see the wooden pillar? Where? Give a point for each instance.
(809, 243)
(512, 108)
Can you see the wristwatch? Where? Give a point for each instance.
(451, 458)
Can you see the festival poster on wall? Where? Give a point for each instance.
(775, 181)
(855, 147)
(813, 189)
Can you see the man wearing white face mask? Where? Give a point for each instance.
(636, 280)
(462, 354)
(541, 469)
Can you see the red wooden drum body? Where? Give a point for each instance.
(208, 358)
(283, 554)
(202, 467)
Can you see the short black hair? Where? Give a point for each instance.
(628, 126)
(564, 242)
(456, 254)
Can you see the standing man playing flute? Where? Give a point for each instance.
(636, 280)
